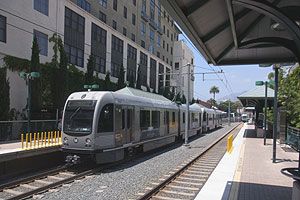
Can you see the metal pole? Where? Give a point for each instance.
(187, 106)
(275, 113)
(229, 111)
(28, 102)
(265, 117)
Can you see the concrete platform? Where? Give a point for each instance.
(12, 151)
(248, 172)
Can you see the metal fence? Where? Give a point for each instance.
(11, 130)
(293, 137)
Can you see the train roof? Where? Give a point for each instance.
(139, 93)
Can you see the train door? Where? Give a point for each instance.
(179, 123)
(167, 122)
(120, 125)
(129, 124)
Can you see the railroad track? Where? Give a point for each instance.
(185, 181)
(36, 184)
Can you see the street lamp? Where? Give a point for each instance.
(260, 83)
(276, 69)
(28, 77)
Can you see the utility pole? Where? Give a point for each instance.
(187, 106)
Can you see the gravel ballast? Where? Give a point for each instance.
(125, 181)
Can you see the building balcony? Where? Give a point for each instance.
(145, 16)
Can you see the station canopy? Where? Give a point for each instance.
(256, 97)
(229, 32)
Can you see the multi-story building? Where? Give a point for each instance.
(183, 56)
(132, 34)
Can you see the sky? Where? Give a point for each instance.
(241, 78)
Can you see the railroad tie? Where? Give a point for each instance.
(187, 183)
(179, 193)
(164, 198)
(13, 192)
(43, 182)
(183, 188)
(29, 186)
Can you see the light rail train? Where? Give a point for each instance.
(106, 126)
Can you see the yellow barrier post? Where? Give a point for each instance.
(229, 143)
(42, 138)
(38, 139)
(30, 140)
(34, 140)
(48, 138)
(54, 137)
(26, 141)
(22, 140)
(51, 137)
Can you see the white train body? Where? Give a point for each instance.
(107, 125)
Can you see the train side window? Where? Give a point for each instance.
(204, 116)
(144, 119)
(183, 117)
(123, 119)
(155, 119)
(173, 117)
(106, 119)
(200, 119)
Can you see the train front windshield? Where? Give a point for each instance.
(78, 117)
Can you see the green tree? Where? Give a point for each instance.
(89, 75)
(35, 84)
(107, 82)
(5, 99)
(214, 90)
(138, 79)
(121, 80)
(183, 99)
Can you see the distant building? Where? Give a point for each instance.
(183, 56)
(129, 33)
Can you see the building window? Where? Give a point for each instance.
(133, 19)
(42, 40)
(125, 12)
(163, 44)
(163, 57)
(143, 44)
(167, 60)
(103, 3)
(167, 47)
(124, 31)
(114, 25)
(132, 37)
(192, 60)
(152, 73)
(84, 5)
(115, 69)
(117, 44)
(164, 29)
(171, 63)
(143, 28)
(158, 54)
(167, 32)
(158, 40)
(98, 43)
(144, 7)
(151, 36)
(42, 6)
(102, 16)
(171, 50)
(131, 63)
(161, 70)
(115, 5)
(152, 9)
(171, 37)
(2, 28)
(177, 66)
(134, 2)
(143, 68)
(74, 37)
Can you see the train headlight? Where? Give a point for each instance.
(88, 141)
(75, 140)
(65, 141)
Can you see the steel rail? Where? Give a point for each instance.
(150, 193)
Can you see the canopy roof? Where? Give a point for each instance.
(256, 96)
(230, 32)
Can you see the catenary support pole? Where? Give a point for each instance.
(265, 116)
(187, 105)
(229, 111)
(275, 112)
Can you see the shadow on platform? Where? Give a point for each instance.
(250, 133)
(253, 191)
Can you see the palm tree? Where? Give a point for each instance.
(214, 90)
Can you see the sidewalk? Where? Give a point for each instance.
(10, 147)
(248, 172)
